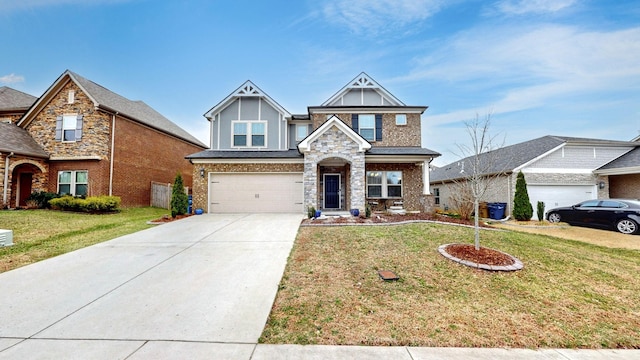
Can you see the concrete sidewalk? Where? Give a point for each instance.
(198, 288)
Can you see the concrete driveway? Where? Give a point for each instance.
(201, 285)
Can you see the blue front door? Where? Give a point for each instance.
(331, 191)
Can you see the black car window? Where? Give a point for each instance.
(612, 204)
(591, 203)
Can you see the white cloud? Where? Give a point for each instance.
(521, 7)
(380, 16)
(11, 79)
(526, 69)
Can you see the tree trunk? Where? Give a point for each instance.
(476, 224)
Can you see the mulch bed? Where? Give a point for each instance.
(168, 218)
(383, 218)
(483, 256)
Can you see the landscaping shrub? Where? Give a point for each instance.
(179, 199)
(92, 204)
(540, 210)
(522, 209)
(41, 198)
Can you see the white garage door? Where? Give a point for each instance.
(255, 193)
(559, 195)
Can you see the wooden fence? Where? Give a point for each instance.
(161, 194)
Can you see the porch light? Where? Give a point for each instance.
(202, 173)
(601, 185)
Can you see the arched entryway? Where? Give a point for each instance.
(26, 178)
(334, 178)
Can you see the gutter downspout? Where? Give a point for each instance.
(6, 178)
(113, 141)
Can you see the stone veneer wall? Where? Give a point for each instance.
(392, 134)
(200, 185)
(96, 128)
(22, 164)
(334, 144)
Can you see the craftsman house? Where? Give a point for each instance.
(361, 146)
(82, 139)
(559, 170)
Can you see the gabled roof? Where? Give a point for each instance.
(627, 163)
(360, 83)
(504, 159)
(248, 89)
(17, 140)
(305, 145)
(510, 158)
(12, 99)
(109, 101)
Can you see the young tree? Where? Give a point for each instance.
(179, 199)
(522, 209)
(479, 166)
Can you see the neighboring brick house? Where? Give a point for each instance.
(559, 171)
(362, 145)
(83, 139)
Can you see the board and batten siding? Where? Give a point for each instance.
(247, 109)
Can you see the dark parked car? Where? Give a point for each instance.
(620, 214)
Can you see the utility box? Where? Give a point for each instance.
(6, 238)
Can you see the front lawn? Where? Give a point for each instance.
(41, 234)
(569, 295)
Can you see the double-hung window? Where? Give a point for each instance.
(249, 133)
(69, 128)
(73, 183)
(367, 124)
(384, 184)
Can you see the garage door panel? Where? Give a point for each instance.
(559, 195)
(233, 193)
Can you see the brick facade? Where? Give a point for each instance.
(624, 186)
(392, 135)
(200, 184)
(141, 154)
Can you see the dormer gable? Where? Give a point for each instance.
(334, 121)
(246, 90)
(363, 91)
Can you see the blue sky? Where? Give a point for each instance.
(539, 67)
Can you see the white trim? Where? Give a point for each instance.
(249, 134)
(66, 158)
(305, 145)
(561, 146)
(247, 89)
(361, 82)
(556, 171)
(324, 190)
(619, 171)
(248, 161)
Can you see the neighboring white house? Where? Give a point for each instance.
(559, 171)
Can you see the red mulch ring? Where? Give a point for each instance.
(483, 256)
(168, 218)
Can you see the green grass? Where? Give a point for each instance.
(41, 234)
(569, 295)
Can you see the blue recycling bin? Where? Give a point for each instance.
(190, 204)
(496, 210)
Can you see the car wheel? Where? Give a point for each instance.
(554, 217)
(627, 226)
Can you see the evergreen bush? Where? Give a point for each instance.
(41, 198)
(179, 199)
(92, 204)
(540, 210)
(522, 209)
